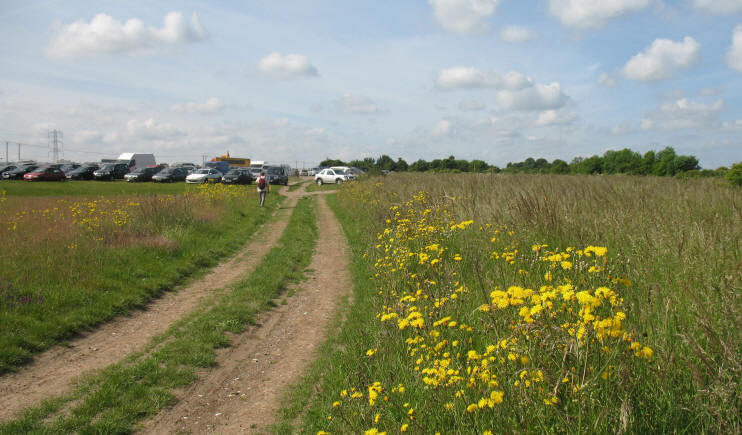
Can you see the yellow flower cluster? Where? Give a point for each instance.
(513, 327)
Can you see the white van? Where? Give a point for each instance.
(136, 161)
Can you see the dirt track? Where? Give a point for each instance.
(241, 393)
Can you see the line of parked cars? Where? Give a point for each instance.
(157, 173)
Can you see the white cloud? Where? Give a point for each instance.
(211, 105)
(315, 131)
(734, 53)
(553, 117)
(587, 14)
(683, 113)
(607, 80)
(516, 34)
(464, 77)
(149, 129)
(464, 16)
(516, 90)
(719, 6)
(105, 35)
(536, 97)
(357, 105)
(290, 65)
(471, 105)
(441, 128)
(660, 60)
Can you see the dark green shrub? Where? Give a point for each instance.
(734, 174)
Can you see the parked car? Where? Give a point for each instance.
(329, 176)
(5, 168)
(349, 174)
(19, 172)
(255, 172)
(189, 167)
(238, 176)
(204, 175)
(168, 175)
(142, 174)
(111, 171)
(84, 172)
(313, 171)
(276, 175)
(68, 167)
(47, 173)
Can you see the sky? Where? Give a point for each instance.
(299, 81)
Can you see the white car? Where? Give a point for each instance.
(204, 175)
(349, 175)
(330, 176)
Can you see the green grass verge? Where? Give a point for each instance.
(49, 310)
(305, 407)
(90, 188)
(114, 400)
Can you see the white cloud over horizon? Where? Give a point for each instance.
(660, 60)
(291, 65)
(357, 105)
(718, 6)
(682, 114)
(210, 105)
(464, 16)
(516, 34)
(591, 14)
(106, 35)
(734, 52)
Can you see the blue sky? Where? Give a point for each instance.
(298, 81)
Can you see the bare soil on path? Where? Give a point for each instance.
(241, 394)
(54, 371)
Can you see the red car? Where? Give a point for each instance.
(45, 174)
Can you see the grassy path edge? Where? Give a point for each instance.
(115, 399)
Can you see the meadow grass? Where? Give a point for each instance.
(525, 303)
(72, 262)
(90, 188)
(115, 399)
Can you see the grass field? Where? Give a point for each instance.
(76, 259)
(517, 303)
(115, 399)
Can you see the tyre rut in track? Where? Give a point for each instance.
(55, 370)
(242, 393)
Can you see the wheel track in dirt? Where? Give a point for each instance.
(241, 394)
(54, 371)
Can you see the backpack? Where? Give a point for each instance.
(261, 183)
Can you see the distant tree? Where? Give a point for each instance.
(400, 165)
(590, 165)
(646, 166)
(734, 174)
(385, 163)
(479, 166)
(621, 162)
(686, 163)
(419, 166)
(665, 164)
(332, 162)
(559, 167)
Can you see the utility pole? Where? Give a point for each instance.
(7, 156)
(19, 151)
(203, 157)
(54, 140)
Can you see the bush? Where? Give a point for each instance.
(734, 174)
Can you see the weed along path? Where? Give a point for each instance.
(54, 371)
(241, 395)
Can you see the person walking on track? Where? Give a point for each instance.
(262, 187)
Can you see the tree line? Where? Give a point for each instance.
(662, 163)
